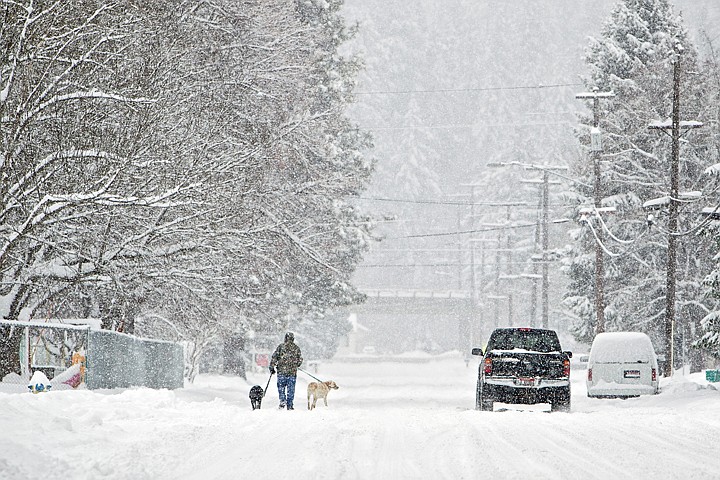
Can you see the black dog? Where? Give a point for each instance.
(256, 396)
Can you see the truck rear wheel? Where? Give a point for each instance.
(561, 401)
(483, 402)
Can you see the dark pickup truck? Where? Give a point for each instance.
(526, 366)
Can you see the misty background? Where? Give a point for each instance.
(449, 87)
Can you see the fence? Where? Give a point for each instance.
(112, 359)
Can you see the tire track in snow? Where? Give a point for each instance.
(569, 450)
(679, 442)
(395, 423)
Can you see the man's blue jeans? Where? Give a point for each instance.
(286, 390)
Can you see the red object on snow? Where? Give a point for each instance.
(74, 381)
(262, 359)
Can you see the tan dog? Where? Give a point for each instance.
(318, 391)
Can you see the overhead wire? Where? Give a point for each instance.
(465, 232)
(465, 90)
(599, 242)
(450, 202)
(705, 222)
(470, 89)
(619, 240)
(466, 125)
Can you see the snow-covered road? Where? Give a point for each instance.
(387, 421)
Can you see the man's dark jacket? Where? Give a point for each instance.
(286, 358)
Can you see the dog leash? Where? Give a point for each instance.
(266, 386)
(313, 376)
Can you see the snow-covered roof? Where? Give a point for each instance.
(623, 347)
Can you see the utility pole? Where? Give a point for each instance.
(533, 307)
(545, 245)
(541, 236)
(546, 170)
(480, 290)
(545, 183)
(596, 149)
(508, 246)
(496, 282)
(670, 287)
(460, 251)
(673, 223)
(480, 329)
(473, 285)
(482, 274)
(465, 337)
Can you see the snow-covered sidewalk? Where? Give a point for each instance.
(387, 421)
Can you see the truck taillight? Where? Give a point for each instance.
(654, 375)
(488, 366)
(566, 368)
(589, 374)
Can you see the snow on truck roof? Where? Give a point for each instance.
(626, 347)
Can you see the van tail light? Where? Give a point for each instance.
(653, 375)
(488, 366)
(566, 368)
(589, 374)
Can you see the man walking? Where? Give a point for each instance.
(287, 358)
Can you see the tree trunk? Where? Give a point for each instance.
(234, 355)
(10, 338)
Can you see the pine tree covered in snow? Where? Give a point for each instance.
(634, 58)
(710, 338)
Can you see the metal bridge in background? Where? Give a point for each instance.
(408, 301)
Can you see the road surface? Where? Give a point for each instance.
(388, 420)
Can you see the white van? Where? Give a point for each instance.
(622, 364)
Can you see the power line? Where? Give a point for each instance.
(413, 265)
(467, 125)
(463, 232)
(449, 202)
(482, 230)
(461, 90)
(398, 265)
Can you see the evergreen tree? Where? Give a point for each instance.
(634, 58)
(710, 339)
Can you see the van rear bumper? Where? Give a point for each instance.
(606, 389)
